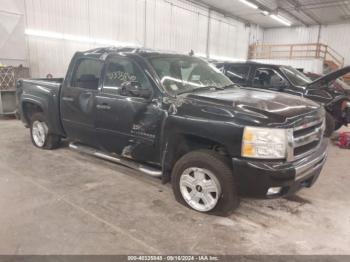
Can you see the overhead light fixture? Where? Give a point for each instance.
(281, 19)
(254, 6)
(266, 13)
(76, 38)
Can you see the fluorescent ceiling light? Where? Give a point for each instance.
(281, 19)
(265, 12)
(249, 4)
(76, 38)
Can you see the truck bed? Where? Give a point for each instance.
(42, 93)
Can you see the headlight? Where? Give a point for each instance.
(266, 143)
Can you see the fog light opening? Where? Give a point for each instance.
(274, 191)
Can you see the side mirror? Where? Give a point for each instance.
(135, 89)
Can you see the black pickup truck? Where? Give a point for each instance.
(289, 80)
(179, 118)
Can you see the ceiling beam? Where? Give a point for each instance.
(298, 7)
(293, 16)
(279, 7)
(223, 12)
(325, 4)
(264, 7)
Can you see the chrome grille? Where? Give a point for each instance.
(305, 139)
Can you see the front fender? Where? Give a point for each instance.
(178, 128)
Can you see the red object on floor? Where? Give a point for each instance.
(344, 140)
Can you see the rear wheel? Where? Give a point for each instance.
(41, 134)
(203, 180)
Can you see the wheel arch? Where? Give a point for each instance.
(29, 108)
(181, 143)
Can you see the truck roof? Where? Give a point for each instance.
(247, 63)
(97, 52)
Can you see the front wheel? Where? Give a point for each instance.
(40, 133)
(203, 180)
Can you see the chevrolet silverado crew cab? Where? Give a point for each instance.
(289, 80)
(179, 118)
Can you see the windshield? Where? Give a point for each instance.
(296, 77)
(182, 74)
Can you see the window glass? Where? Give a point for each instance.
(268, 78)
(295, 76)
(87, 74)
(180, 74)
(120, 70)
(238, 73)
(342, 84)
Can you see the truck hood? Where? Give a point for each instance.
(262, 107)
(323, 80)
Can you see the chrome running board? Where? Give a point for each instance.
(151, 171)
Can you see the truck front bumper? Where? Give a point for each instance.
(270, 179)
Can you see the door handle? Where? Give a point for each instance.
(67, 98)
(104, 107)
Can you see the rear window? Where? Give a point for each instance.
(87, 73)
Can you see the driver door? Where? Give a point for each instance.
(126, 124)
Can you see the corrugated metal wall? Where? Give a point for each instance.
(227, 38)
(256, 34)
(12, 41)
(337, 37)
(175, 25)
(293, 35)
(308, 65)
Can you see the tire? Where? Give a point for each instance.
(217, 175)
(330, 125)
(40, 133)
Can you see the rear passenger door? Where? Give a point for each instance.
(238, 74)
(78, 100)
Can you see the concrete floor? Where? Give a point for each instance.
(63, 202)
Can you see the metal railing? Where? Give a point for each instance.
(296, 51)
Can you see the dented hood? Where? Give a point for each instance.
(267, 104)
(330, 77)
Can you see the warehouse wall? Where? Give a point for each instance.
(256, 34)
(291, 35)
(308, 65)
(161, 24)
(12, 41)
(336, 36)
